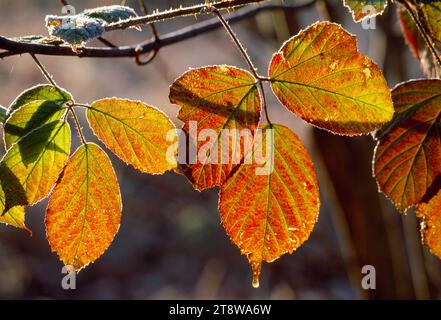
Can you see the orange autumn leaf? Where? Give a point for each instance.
(221, 100)
(84, 211)
(321, 77)
(362, 9)
(408, 154)
(137, 133)
(430, 213)
(272, 212)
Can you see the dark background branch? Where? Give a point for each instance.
(14, 46)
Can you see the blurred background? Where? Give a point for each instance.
(171, 244)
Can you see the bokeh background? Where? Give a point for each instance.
(171, 244)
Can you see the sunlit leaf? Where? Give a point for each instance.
(40, 92)
(216, 103)
(431, 227)
(320, 76)
(84, 210)
(270, 205)
(408, 155)
(431, 14)
(29, 117)
(31, 167)
(362, 9)
(137, 133)
(15, 217)
(417, 44)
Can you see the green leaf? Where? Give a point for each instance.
(29, 117)
(31, 167)
(40, 92)
(362, 9)
(111, 13)
(15, 217)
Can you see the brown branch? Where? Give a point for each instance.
(14, 46)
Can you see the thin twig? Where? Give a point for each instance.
(44, 71)
(156, 39)
(245, 55)
(15, 46)
(78, 126)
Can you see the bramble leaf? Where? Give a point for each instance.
(362, 9)
(16, 218)
(111, 13)
(84, 211)
(219, 100)
(430, 213)
(430, 12)
(40, 92)
(31, 167)
(137, 133)
(270, 205)
(29, 117)
(408, 154)
(321, 77)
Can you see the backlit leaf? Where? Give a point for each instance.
(431, 227)
(84, 211)
(15, 217)
(430, 11)
(216, 103)
(320, 76)
(40, 92)
(271, 212)
(410, 31)
(137, 133)
(365, 8)
(29, 117)
(408, 155)
(31, 167)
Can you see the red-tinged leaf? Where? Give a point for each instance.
(362, 9)
(223, 100)
(84, 210)
(137, 133)
(30, 168)
(269, 213)
(430, 213)
(321, 77)
(408, 155)
(410, 31)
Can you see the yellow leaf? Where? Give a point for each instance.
(137, 133)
